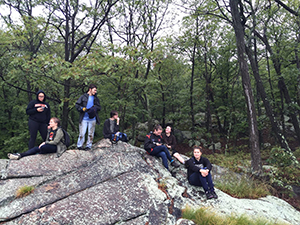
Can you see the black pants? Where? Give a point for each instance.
(46, 148)
(34, 127)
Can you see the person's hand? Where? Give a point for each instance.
(84, 109)
(41, 144)
(40, 109)
(168, 146)
(204, 172)
(158, 144)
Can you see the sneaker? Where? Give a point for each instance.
(214, 194)
(14, 156)
(175, 164)
(80, 148)
(209, 195)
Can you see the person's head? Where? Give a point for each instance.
(168, 130)
(114, 114)
(54, 122)
(197, 150)
(92, 89)
(40, 96)
(157, 129)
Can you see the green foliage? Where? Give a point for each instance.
(279, 157)
(205, 216)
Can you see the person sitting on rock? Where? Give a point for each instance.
(170, 143)
(111, 128)
(199, 172)
(54, 142)
(154, 146)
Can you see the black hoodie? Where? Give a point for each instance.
(41, 117)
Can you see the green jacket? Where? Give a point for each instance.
(58, 141)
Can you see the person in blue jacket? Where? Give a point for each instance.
(88, 106)
(199, 172)
(39, 117)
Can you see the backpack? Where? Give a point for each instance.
(115, 138)
(67, 140)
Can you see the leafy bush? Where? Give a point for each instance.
(279, 157)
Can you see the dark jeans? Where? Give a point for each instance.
(198, 180)
(163, 152)
(34, 127)
(46, 148)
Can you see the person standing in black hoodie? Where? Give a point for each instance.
(39, 117)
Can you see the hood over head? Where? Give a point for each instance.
(37, 94)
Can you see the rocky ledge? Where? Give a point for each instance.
(116, 184)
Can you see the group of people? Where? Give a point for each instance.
(198, 167)
(88, 105)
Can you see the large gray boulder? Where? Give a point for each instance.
(117, 184)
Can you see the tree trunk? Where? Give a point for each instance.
(261, 90)
(256, 163)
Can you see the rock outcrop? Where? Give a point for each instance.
(118, 184)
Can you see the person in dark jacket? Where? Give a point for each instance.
(199, 172)
(88, 106)
(170, 142)
(111, 128)
(39, 116)
(154, 146)
(54, 142)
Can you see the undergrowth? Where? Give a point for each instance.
(24, 191)
(204, 216)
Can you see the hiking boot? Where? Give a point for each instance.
(214, 194)
(87, 148)
(80, 148)
(15, 156)
(209, 195)
(175, 164)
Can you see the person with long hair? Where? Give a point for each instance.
(170, 142)
(54, 142)
(199, 172)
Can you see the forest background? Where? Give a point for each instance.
(220, 69)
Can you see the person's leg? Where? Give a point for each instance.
(159, 152)
(194, 179)
(203, 181)
(165, 149)
(33, 128)
(82, 130)
(46, 148)
(163, 156)
(91, 131)
(43, 129)
(178, 157)
(32, 151)
(210, 182)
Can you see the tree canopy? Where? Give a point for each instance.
(232, 71)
